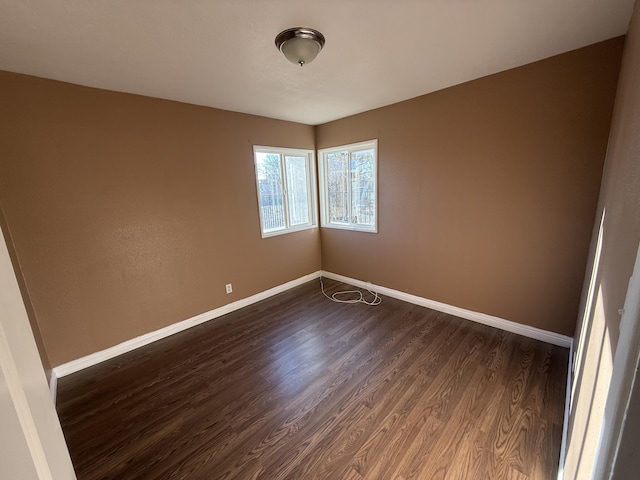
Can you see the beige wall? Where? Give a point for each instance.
(487, 190)
(129, 213)
(598, 330)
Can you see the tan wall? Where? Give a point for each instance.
(131, 213)
(487, 190)
(598, 332)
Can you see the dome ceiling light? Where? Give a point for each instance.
(300, 45)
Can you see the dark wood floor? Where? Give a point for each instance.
(298, 387)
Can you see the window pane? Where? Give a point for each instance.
(297, 190)
(363, 176)
(349, 186)
(337, 177)
(270, 191)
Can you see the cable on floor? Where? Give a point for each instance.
(359, 299)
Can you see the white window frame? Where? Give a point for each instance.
(311, 188)
(324, 191)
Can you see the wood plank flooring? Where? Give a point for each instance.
(299, 387)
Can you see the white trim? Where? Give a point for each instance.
(623, 376)
(502, 324)
(53, 386)
(324, 208)
(18, 396)
(129, 345)
(567, 412)
(22, 380)
(312, 195)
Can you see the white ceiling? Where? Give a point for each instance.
(221, 53)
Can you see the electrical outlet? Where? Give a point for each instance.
(228, 287)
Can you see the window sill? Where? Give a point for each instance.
(352, 228)
(275, 233)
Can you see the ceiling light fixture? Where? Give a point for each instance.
(300, 45)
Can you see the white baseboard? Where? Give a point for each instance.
(502, 324)
(129, 345)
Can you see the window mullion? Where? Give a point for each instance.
(285, 190)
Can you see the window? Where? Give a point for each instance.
(348, 182)
(285, 181)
